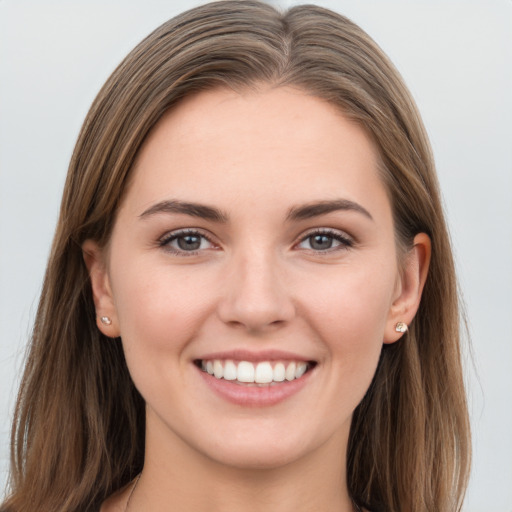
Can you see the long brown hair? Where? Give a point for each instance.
(78, 431)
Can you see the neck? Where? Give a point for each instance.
(179, 478)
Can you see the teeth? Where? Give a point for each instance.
(300, 370)
(230, 370)
(218, 370)
(290, 371)
(245, 372)
(279, 372)
(263, 372)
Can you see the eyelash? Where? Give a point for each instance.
(344, 241)
(166, 240)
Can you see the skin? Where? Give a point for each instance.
(257, 284)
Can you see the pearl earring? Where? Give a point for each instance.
(401, 327)
(105, 320)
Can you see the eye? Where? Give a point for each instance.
(186, 242)
(325, 240)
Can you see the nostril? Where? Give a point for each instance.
(255, 298)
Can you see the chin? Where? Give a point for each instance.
(256, 457)
(264, 445)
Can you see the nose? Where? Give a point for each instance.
(255, 295)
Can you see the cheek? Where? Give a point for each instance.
(349, 310)
(355, 302)
(158, 309)
(160, 313)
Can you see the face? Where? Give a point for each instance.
(255, 242)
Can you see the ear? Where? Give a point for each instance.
(409, 287)
(95, 261)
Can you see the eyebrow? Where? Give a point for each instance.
(311, 210)
(295, 213)
(192, 209)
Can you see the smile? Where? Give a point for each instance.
(261, 373)
(256, 379)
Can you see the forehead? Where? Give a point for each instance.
(223, 145)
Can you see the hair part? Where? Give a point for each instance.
(79, 429)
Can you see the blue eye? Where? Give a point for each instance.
(325, 241)
(183, 242)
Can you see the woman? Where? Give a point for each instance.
(250, 300)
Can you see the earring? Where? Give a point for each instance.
(105, 320)
(401, 327)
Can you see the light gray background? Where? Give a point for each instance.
(455, 55)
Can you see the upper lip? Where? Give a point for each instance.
(255, 356)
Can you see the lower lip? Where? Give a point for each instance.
(255, 396)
